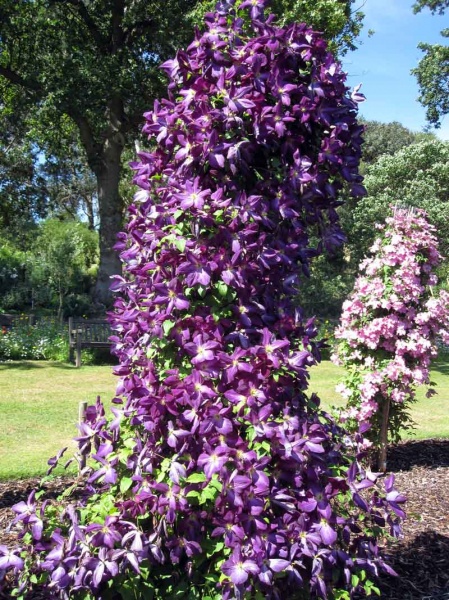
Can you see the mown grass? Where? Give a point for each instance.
(431, 415)
(39, 407)
(39, 411)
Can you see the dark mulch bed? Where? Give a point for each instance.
(421, 557)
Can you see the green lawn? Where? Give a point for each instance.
(39, 410)
(431, 415)
(39, 407)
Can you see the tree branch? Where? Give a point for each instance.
(100, 41)
(16, 79)
(132, 32)
(92, 148)
(117, 33)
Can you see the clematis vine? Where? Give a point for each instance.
(218, 476)
(390, 328)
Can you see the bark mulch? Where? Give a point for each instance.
(421, 557)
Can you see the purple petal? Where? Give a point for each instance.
(278, 564)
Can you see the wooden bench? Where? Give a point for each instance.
(87, 333)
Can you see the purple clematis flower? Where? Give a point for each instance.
(9, 559)
(214, 460)
(201, 350)
(238, 569)
(193, 195)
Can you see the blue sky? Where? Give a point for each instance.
(383, 62)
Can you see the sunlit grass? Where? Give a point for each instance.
(39, 410)
(39, 407)
(431, 415)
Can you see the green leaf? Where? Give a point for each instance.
(125, 484)
(217, 548)
(196, 478)
(167, 326)
(222, 288)
(180, 244)
(193, 494)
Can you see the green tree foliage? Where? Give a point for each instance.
(22, 187)
(418, 176)
(332, 277)
(72, 189)
(387, 138)
(63, 262)
(56, 272)
(13, 289)
(436, 6)
(89, 68)
(432, 72)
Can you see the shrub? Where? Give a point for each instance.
(46, 340)
(13, 291)
(390, 327)
(218, 477)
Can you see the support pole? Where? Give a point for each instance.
(78, 335)
(382, 453)
(71, 353)
(82, 408)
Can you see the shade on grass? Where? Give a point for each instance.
(39, 407)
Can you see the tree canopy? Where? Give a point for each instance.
(88, 67)
(436, 6)
(418, 176)
(22, 187)
(387, 138)
(432, 72)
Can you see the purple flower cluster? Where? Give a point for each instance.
(217, 467)
(391, 323)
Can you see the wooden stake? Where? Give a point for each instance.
(382, 453)
(82, 408)
(78, 335)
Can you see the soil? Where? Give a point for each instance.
(420, 557)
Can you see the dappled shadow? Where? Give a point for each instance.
(28, 365)
(423, 453)
(441, 366)
(423, 568)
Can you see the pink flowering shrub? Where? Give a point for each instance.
(218, 477)
(391, 323)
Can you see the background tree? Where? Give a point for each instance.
(436, 6)
(72, 188)
(432, 72)
(91, 68)
(22, 187)
(65, 258)
(14, 291)
(387, 138)
(416, 176)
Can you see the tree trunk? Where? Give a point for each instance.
(89, 208)
(111, 209)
